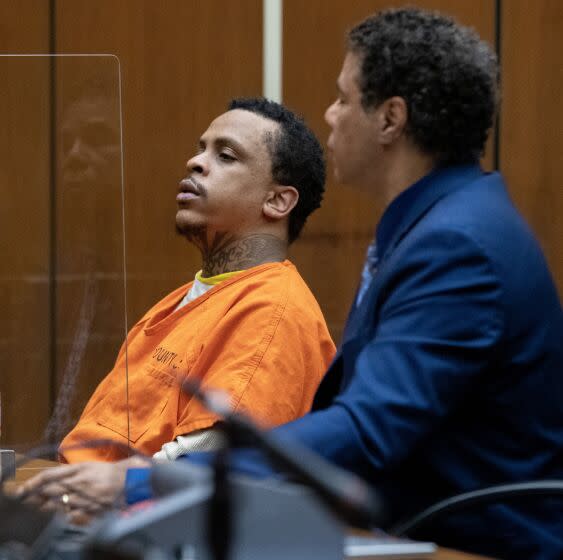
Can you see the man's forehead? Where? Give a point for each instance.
(351, 65)
(97, 107)
(241, 125)
(347, 81)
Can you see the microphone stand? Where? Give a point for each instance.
(219, 525)
(345, 494)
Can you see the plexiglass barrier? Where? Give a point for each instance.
(62, 270)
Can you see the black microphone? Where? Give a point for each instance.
(344, 493)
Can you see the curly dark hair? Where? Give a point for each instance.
(297, 158)
(446, 74)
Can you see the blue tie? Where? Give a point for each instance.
(368, 272)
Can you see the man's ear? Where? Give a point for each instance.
(393, 114)
(281, 200)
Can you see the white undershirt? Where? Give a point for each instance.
(198, 289)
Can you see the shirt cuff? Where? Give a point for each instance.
(137, 485)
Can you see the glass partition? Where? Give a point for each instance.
(62, 270)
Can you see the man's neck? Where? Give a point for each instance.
(403, 168)
(225, 252)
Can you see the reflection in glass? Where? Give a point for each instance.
(62, 282)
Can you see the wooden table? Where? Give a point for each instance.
(28, 470)
(34, 466)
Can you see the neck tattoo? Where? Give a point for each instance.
(227, 253)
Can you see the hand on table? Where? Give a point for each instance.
(81, 491)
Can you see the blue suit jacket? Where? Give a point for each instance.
(450, 373)
(449, 377)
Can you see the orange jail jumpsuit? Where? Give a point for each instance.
(259, 335)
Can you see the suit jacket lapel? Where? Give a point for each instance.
(445, 181)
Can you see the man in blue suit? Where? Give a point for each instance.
(449, 377)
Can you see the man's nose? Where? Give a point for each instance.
(197, 164)
(76, 149)
(77, 154)
(329, 114)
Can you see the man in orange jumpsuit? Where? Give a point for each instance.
(247, 325)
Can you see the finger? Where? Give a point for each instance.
(82, 490)
(78, 502)
(56, 486)
(96, 487)
(29, 486)
(33, 500)
(45, 477)
(81, 494)
(52, 491)
(51, 505)
(38, 495)
(62, 502)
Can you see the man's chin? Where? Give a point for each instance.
(192, 232)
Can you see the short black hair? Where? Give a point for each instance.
(446, 74)
(297, 158)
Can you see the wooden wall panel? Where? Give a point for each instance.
(181, 61)
(331, 251)
(532, 118)
(24, 221)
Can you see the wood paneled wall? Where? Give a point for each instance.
(531, 141)
(180, 62)
(25, 342)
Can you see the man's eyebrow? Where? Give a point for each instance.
(225, 141)
(230, 141)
